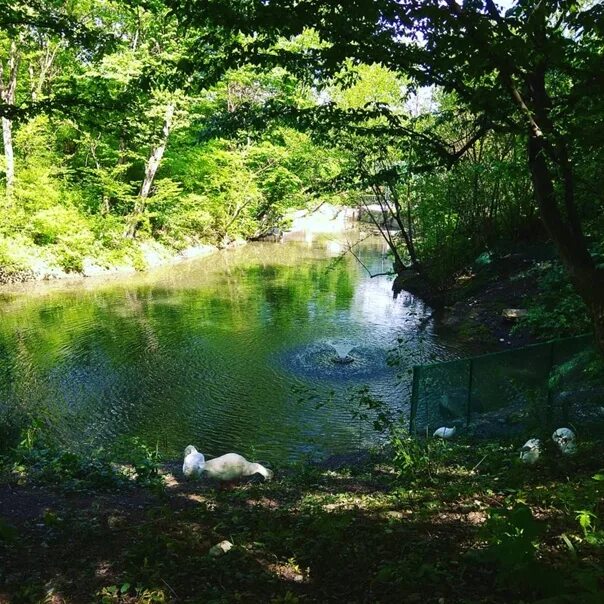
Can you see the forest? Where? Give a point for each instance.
(133, 125)
(141, 136)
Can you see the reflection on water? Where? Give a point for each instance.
(216, 351)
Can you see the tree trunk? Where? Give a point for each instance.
(383, 228)
(585, 276)
(45, 62)
(7, 94)
(9, 157)
(404, 229)
(549, 162)
(597, 314)
(157, 153)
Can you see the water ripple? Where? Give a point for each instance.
(233, 353)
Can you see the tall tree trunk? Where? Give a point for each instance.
(586, 277)
(549, 163)
(395, 209)
(384, 228)
(7, 94)
(38, 81)
(157, 153)
(9, 157)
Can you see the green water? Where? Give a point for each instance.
(231, 352)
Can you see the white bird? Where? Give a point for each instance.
(224, 468)
(233, 466)
(565, 439)
(194, 463)
(531, 451)
(445, 432)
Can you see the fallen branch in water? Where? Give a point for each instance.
(372, 275)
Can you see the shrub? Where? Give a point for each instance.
(58, 224)
(15, 256)
(558, 310)
(40, 456)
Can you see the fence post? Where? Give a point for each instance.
(549, 402)
(414, 396)
(469, 402)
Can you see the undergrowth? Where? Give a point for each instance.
(557, 310)
(463, 522)
(39, 459)
(427, 518)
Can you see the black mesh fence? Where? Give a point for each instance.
(506, 393)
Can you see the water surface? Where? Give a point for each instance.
(233, 352)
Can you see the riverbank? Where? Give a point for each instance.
(459, 522)
(21, 261)
(39, 265)
(511, 299)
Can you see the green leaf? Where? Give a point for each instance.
(569, 545)
(7, 531)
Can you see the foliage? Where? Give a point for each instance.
(14, 255)
(512, 532)
(366, 407)
(182, 122)
(557, 309)
(73, 472)
(586, 368)
(512, 536)
(411, 457)
(112, 157)
(117, 593)
(144, 460)
(39, 458)
(516, 78)
(213, 132)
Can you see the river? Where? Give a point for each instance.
(232, 352)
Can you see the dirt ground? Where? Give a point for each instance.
(347, 531)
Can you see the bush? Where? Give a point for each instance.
(412, 457)
(15, 257)
(39, 456)
(59, 224)
(512, 536)
(557, 310)
(11, 427)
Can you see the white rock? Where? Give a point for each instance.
(154, 254)
(512, 314)
(197, 251)
(220, 549)
(91, 269)
(531, 451)
(565, 440)
(124, 269)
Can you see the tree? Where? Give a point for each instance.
(533, 70)
(31, 38)
(8, 89)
